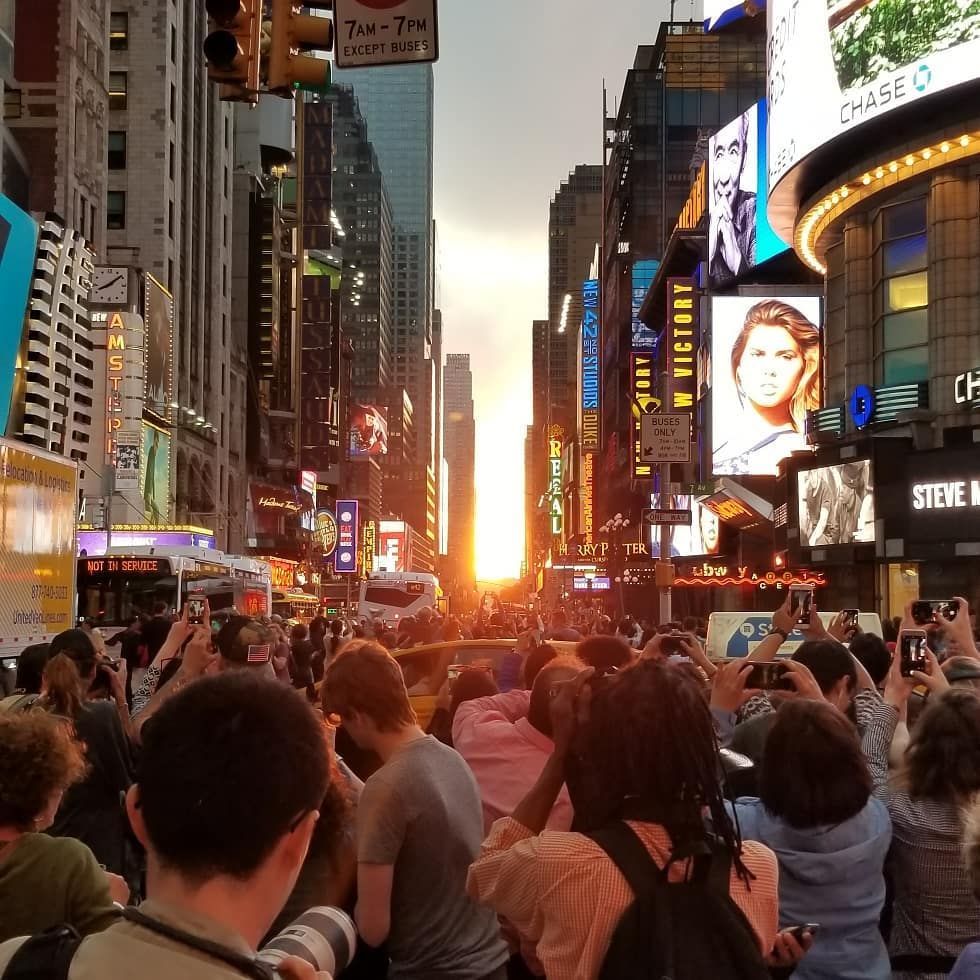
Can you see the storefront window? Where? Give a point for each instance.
(903, 285)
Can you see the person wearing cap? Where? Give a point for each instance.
(241, 643)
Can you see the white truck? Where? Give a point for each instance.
(38, 502)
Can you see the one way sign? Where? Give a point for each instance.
(665, 438)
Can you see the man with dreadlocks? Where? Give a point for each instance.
(637, 746)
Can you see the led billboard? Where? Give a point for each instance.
(368, 431)
(720, 13)
(834, 66)
(836, 504)
(642, 274)
(739, 234)
(158, 345)
(701, 536)
(765, 372)
(155, 475)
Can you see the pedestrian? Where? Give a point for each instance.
(419, 827)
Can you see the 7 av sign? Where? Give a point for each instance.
(385, 32)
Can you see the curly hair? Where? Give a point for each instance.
(39, 758)
(941, 762)
(650, 745)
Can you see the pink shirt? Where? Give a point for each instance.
(506, 753)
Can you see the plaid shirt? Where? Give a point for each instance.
(563, 892)
(935, 911)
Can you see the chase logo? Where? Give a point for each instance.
(922, 78)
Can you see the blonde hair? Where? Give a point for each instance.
(773, 313)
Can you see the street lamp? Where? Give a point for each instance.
(613, 529)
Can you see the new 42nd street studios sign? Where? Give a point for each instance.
(665, 438)
(385, 32)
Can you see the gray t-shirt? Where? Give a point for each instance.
(421, 813)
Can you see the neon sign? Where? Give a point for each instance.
(644, 402)
(590, 365)
(115, 373)
(555, 493)
(712, 576)
(682, 342)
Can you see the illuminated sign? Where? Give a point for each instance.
(279, 503)
(345, 558)
(282, 573)
(683, 337)
(966, 388)
(588, 496)
(131, 566)
(325, 532)
(643, 402)
(697, 201)
(862, 406)
(946, 495)
(158, 349)
(710, 575)
(555, 492)
(307, 482)
(642, 274)
(590, 365)
(145, 536)
(368, 543)
(115, 372)
(835, 66)
(393, 546)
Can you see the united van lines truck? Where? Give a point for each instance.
(38, 500)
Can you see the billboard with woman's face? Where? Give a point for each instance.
(765, 378)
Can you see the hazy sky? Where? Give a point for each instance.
(518, 103)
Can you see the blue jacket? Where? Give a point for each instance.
(831, 876)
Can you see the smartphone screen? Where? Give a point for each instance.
(851, 617)
(195, 612)
(802, 600)
(672, 644)
(915, 643)
(452, 672)
(770, 677)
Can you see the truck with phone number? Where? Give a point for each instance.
(38, 501)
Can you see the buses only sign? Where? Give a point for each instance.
(385, 32)
(665, 438)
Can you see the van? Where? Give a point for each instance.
(737, 634)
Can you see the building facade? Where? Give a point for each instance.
(460, 441)
(169, 212)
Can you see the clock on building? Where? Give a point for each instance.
(110, 285)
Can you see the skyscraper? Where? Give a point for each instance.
(397, 103)
(169, 212)
(363, 208)
(460, 440)
(574, 229)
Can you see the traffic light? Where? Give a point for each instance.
(232, 47)
(293, 32)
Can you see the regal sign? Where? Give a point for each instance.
(555, 491)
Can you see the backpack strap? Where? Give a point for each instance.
(46, 956)
(630, 855)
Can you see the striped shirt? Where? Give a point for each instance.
(563, 892)
(935, 912)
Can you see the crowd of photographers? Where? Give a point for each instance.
(629, 809)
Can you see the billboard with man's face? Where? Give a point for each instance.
(834, 66)
(155, 475)
(159, 350)
(739, 234)
(765, 377)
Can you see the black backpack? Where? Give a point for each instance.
(689, 930)
(46, 956)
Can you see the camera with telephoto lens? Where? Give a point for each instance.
(672, 643)
(325, 937)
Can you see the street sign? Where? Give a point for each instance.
(699, 489)
(385, 32)
(658, 515)
(665, 438)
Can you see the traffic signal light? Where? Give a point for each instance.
(232, 47)
(293, 32)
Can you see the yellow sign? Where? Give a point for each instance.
(697, 201)
(38, 497)
(555, 490)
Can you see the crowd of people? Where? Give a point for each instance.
(617, 805)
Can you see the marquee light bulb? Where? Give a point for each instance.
(879, 173)
(909, 160)
(944, 147)
(926, 153)
(893, 166)
(964, 140)
(844, 191)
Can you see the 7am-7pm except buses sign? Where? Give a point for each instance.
(385, 32)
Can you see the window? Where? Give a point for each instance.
(115, 210)
(903, 293)
(117, 150)
(170, 219)
(118, 32)
(117, 89)
(173, 44)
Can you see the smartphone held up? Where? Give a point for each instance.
(913, 649)
(801, 601)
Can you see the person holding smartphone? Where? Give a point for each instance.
(936, 912)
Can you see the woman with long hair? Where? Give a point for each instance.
(775, 364)
(635, 747)
(936, 913)
(91, 810)
(830, 836)
(44, 881)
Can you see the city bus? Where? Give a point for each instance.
(391, 596)
(116, 587)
